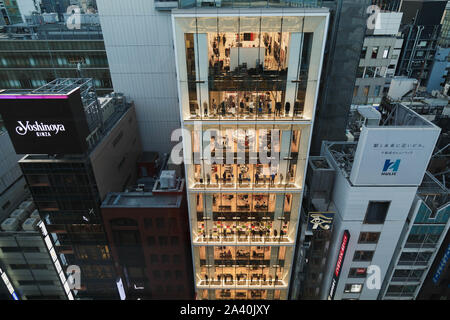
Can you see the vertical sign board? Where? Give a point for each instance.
(8, 285)
(45, 124)
(393, 155)
(442, 265)
(339, 263)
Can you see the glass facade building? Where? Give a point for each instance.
(248, 86)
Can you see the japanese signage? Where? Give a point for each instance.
(339, 262)
(393, 156)
(442, 265)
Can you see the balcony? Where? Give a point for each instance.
(243, 238)
(242, 284)
(184, 4)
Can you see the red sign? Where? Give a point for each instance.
(344, 244)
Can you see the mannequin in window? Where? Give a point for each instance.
(287, 108)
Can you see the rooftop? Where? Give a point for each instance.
(142, 200)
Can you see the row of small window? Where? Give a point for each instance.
(168, 274)
(374, 53)
(366, 89)
(163, 241)
(19, 249)
(148, 222)
(165, 259)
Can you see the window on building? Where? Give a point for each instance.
(414, 258)
(386, 53)
(154, 258)
(20, 249)
(369, 237)
(6, 205)
(165, 258)
(172, 223)
(126, 237)
(366, 91)
(355, 91)
(407, 275)
(174, 241)
(377, 90)
(363, 255)
(401, 290)
(376, 212)
(176, 259)
(363, 52)
(167, 274)
(360, 72)
(151, 241)
(160, 223)
(28, 266)
(148, 223)
(353, 288)
(357, 273)
(375, 52)
(157, 274)
(163, 241)
(178, 274)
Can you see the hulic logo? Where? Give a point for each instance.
(390, 168)
(42, 130)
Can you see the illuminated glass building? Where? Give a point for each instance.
(248, 85)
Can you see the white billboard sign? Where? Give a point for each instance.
(393, 156)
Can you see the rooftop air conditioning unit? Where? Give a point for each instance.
(168, 179)
(10, 224)
(20, 214)
(30, 224)
(27, 206)
(35, 214)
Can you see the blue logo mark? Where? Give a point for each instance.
(390, 167)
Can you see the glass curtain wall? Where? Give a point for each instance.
(247, 103)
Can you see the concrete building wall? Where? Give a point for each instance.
(139, 45)
(12, 183)
(120, 149)
(351, 203)
(347, 29)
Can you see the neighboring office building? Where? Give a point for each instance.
(32, 266)
(68, 186)
(436, 285)
(439, 70)
(33, 55)
(342, 57)
(10, 11)
(379, 57)
(444, 37)
(148, 230)
(421, 25)
(13, 187)
(245, 213)
(423, 235)
(375, 185)
(28, 7)
(316, 230)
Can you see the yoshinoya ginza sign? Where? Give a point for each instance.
(40, 129)
(45, 124)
